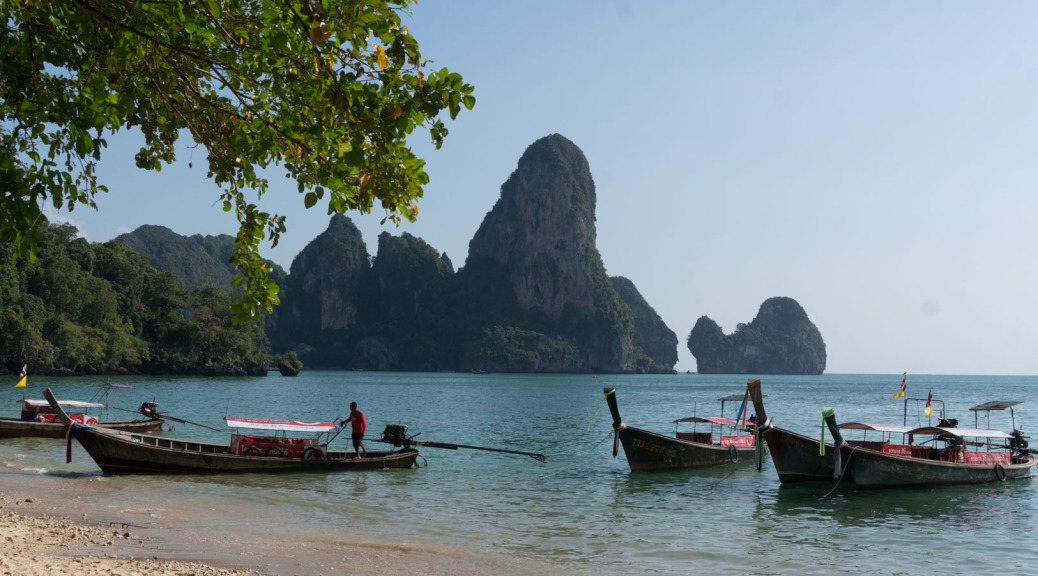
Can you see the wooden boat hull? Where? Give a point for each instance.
(15, 428)
(650, 451)
(128, 453)
(872, 469)
(795, 456)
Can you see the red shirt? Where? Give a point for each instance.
(360, 425)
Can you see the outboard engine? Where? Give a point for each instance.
(149, 409)
(1017, 441)
(395, 434)
(948, 423)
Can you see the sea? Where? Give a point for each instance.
(582, 511)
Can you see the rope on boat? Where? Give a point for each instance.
(574, 463)
(590, 420)
(843, 471)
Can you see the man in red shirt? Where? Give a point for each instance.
(360, 424)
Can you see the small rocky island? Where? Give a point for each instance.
(780, 340)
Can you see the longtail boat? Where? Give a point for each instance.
(796, 457)
(929, 455)
(118, 452)
(651, 451)
(38, 420)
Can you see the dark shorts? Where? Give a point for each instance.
(356, 440)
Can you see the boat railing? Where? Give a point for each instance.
(181, 445)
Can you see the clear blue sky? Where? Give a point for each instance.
(875, 161)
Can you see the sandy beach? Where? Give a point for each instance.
(46, 530)
(44, 545)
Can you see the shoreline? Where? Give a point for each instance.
(49, 526)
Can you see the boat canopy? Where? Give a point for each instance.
(707, 419)
(997, 405)
(884, 428)
(63, 404)
(960, 432)
(279, 425)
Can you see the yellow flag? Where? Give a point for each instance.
(22, 377)
(901, 393)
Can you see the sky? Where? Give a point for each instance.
(873, 161)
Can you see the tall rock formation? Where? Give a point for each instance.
(408, 275)
(541, 231)
(533, 296)
(535, 253)
(651, 335)
(325, 285)
(781, 339)
(411, 320)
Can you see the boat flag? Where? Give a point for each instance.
(929, 404)
(901, 393)
(22, 377)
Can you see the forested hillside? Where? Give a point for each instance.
(89, 308)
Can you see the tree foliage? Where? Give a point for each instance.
(326, 91)
(83, 308)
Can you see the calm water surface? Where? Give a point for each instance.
(583, 512)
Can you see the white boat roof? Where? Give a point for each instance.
(279, 425)
(997, 405)
(961, 432)
(885, 428)
(926, 430)
(707, 419)
(63, 404)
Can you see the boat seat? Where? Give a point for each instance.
(925, 452)
(700, 437)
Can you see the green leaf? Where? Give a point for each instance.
(279, 41)
(214, 7)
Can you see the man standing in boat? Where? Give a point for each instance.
(360, 424)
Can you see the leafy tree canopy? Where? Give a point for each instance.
(327, 91)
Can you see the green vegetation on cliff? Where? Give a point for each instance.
(88, 308)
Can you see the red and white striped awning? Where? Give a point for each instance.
(63, 404)
(280, 425)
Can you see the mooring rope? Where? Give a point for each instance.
(574, 463)
(843, 471)
(590, 420)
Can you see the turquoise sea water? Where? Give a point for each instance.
(582, 512)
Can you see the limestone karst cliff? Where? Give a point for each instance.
(533, 294)
(781, 339)
(535, 252)
(651, 334)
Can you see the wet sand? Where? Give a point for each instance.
(47, 528)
